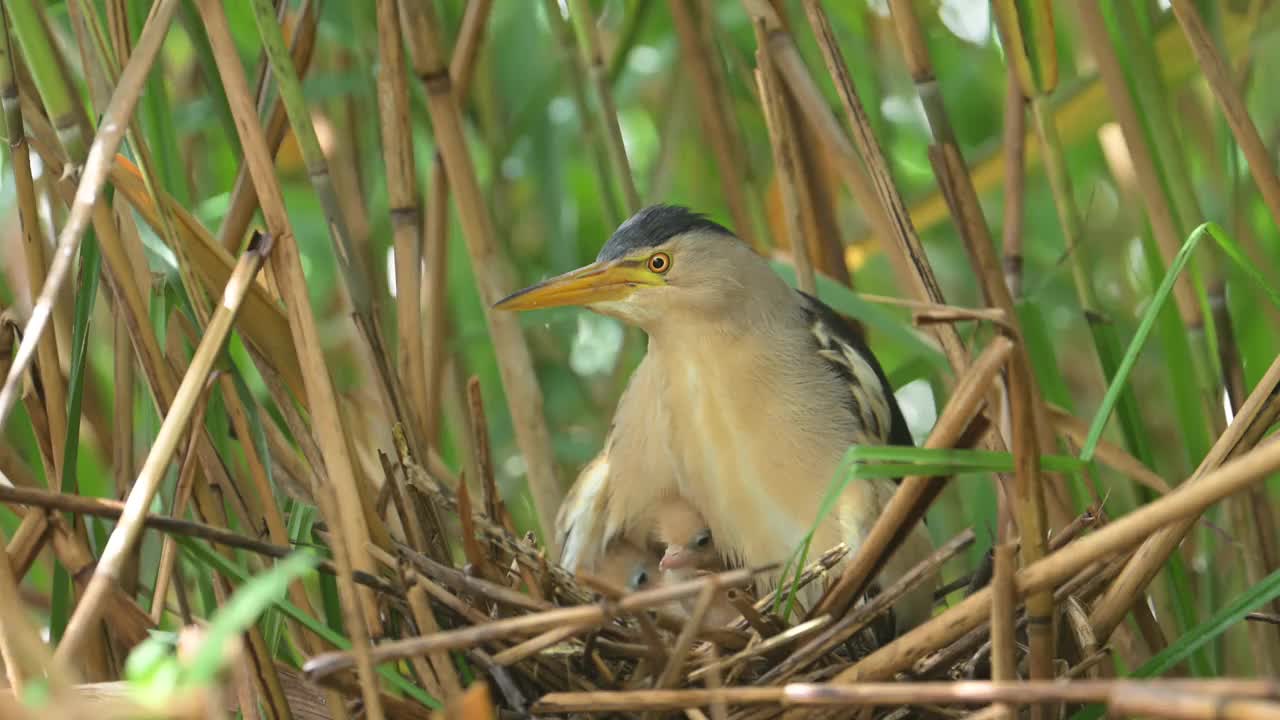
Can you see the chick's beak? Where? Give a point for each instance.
(674, 559)
(597, 282)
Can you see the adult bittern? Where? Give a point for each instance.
(746, 401)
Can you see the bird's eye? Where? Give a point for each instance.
(702, 540)
(640, 579)
(659, 263)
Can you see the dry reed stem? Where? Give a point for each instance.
(1147, 561)
(1219, 76)
(461, 582)
(813, 106)
(353, 291)
(1163, 224)
(436, 223)
(355, 507)
(357, 628)
(1134, 700)
(112, 509)
(115, 120)
(713, 112)
(406, 219)
(912, 497)
(856, 620)
(467, 637)
(592, 134)
(181, 496)
(890, 215)
(795, 633)
(447, 684)
(813, 173)
(1004, 607)
(47, 365)
(25, 656)
(263, 322)
(1113, 456)
(515, 364)
(958, 190)
(27, 542)
(783, 142)
(617, 151)
(244, 201)
(129, 529)
(971, 692)
(1015, 172)
(277, 532)
(1188, 500)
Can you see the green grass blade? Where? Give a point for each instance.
(86, 293)
(1158, 301)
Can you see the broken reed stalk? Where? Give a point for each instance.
(354, 506)
(129, 529)
(1188, 500)
(115, 121)
(783, 141)
(515, 364)
(913, 496)
(1147, 561)
(969, 692)
(608, 109)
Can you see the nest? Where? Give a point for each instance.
(549, 642)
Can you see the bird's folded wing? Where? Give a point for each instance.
(580, 522)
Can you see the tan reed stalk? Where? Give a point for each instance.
(129, 529)
(783, 142)
(355, 507)
(515, 365)
(608, 109)
(713, 112)
(94, 174)
(970, 692)
(1015, 175)
(1188, 500)
(1127, 588)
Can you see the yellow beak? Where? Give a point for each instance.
(597, 282)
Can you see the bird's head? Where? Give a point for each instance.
(698, 553)
(686, 536)
(665, 259)
(629, 566)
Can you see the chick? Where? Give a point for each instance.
(630, 567)
(690, 550)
